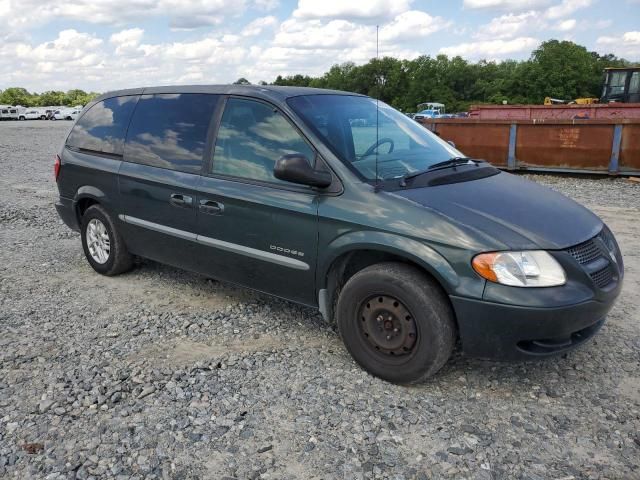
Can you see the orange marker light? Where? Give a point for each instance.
(483, 265)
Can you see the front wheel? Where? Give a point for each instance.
(396, 322)
(102, 243)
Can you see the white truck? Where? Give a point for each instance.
(33, 114)
(66, 114)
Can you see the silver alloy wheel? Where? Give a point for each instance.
(98, 241)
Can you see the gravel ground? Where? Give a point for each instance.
(161, 373)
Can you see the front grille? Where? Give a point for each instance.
(592, 251)
(585, 252)
(602, 277)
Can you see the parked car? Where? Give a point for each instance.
(66, 114)
(391, 232)
(430, 110)
(33, 115)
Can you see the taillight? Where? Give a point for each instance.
(56, 168)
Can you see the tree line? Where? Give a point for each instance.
(557, 69)
(20, 96)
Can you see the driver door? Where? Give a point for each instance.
(256, 230)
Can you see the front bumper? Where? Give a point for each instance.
(66, 209)
(509, 332)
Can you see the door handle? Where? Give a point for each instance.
(180, 200)
(211, 207)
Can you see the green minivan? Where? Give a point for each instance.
(339, 202)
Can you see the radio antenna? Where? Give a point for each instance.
(377, 185)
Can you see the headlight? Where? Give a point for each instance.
(535, 268)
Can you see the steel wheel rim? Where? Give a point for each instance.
(388, 326)
(98, 241)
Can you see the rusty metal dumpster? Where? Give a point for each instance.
(583, 146)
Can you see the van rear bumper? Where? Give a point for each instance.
(509, 332)
(66, 209)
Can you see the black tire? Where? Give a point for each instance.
(21, 118)
(419, 297)
(119, 259)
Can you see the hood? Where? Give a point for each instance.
(516, 212)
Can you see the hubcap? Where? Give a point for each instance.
(388, 325)
(98, 241)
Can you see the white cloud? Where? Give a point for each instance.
(628, 38)
(266, 5)
(566, 7)
(370, 9)
(506, 5)
(628, 44)
(491, 49)
(344, 34)
(127, 41)
(257, 26)
(566, 25)
(70, 46)
(311, 34)
(509, 25)
(411, 25)
(183, 13)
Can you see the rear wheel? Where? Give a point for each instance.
(21, 117)
(103, 246)
(396, 322)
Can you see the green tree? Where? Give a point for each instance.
(293, 80)
(16, 96)
(50, 98)
(560, 69)
(77, 97)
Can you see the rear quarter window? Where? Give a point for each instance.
(170, 130)
(103, 127)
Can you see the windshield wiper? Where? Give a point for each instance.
(452, 162)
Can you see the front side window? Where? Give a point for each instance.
(617, 82)
(103, 127)
(170, 130)
(251, 138)
(370, 136)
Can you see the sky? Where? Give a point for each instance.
(101, 45)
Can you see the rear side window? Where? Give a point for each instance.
(170, 130)
(251, 138)
(103, 127)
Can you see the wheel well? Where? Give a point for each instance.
(348, 264)
(82, 206)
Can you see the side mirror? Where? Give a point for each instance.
(295, 168)
(451, 143)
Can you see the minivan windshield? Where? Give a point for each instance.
(361, 131)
